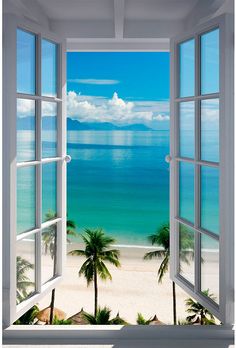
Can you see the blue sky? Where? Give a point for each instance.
(119, 87)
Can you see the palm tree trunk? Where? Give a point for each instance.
(201, 320)
(174, 303)
(54, 273)
(95, 292)
(52, 307)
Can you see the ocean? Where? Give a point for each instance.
(117, 180)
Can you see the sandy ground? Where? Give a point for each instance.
(134, 288)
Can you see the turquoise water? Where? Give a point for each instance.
(119, 181)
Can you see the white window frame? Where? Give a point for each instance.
(224, 312)
(11, 311)
(136, 336)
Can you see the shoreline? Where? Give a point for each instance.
(138, 246)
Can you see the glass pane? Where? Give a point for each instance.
(25, 130)
(49, 247)
(49, 191)
(26, 199)
(210, 199)
(210, 267)
(25, 268)
(49, 129)
(186, 128)
(49, 68)
(186, 67)
(186, 250)
(210, 62)
(25, 60)
(210, 130)
(186, 191)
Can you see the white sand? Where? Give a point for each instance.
(134, 288)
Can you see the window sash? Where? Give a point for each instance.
(10, 238)
(225, 166)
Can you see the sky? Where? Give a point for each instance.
(119, 87)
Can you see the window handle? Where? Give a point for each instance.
(67, 158)
(168, 158)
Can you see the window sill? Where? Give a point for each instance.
(218, 336)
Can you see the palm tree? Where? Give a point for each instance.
(199, 314)
(162, 238)
(23, 282)
(141, 320)
(49, 238)
(70, 224)
(70, 229)
(28, 318)
(97, 251)
(103, 317)
(61, 321)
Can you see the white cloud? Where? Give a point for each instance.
(25, 108)
(99, 109)
(161, 118)
(94, 81)
(114, 110)
(160, 106)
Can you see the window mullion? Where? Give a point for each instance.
(197, 249)
(38, 168)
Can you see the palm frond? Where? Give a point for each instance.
(102, 270)
(154, 254)
(77, 252)
(87, 269)
(163, 268)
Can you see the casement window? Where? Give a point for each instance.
(34, 86)
(34, 100)
(201, 164)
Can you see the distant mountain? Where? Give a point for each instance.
(27, 123)
(77, 125)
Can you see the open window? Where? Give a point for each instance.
(201, 175)
(34, 96)
(202, 166)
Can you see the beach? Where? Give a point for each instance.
(134, 288)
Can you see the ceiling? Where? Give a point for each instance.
(78, 9)
(104, 9)
(116, 24)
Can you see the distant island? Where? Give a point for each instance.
(77, 125)
(27, 123)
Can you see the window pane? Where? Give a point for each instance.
(186, 250)
(210, 267)
(186, 127)
(26, 197)
(210, 62)
(25, 130)
(25, 61)
(186, 59)
(49, 129)
(210, 199)
(49, 68)
(49, 247)
(49, 191)
(186, 191)
(210, 130)
(25, 268)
